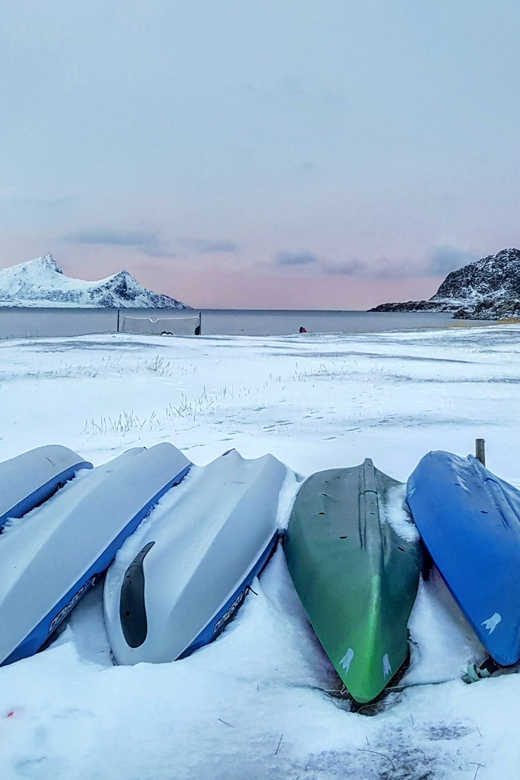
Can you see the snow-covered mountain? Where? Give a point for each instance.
(486, 289)
(41, 282)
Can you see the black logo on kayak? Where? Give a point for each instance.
(62, 614)
(132, 604)
(228, 614)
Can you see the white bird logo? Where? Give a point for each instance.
(387, 668)
(347, 659)
(492, 622)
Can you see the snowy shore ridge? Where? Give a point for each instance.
(41, 282)
(488, 289)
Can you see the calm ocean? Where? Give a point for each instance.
(35, 322)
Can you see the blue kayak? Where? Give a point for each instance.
(469, 520)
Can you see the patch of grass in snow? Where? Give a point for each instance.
(75, 370)
(206, 402)
(160, 366)
(323, 371)
(347, 370)
(109, 365)
(127, 422)
(163, 367)
(123, 423)
(92, 369)
(191, 408)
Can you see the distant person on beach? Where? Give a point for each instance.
(302, 329)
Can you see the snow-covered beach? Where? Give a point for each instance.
(254, 704)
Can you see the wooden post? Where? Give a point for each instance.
(480, 450)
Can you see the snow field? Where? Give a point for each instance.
(254, 704)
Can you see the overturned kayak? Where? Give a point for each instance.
(355, 565)
(50, 558)
(195, 562)
(31, 478)
(469, 520)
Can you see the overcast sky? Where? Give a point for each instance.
(261, 153)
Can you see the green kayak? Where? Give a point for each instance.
(356, 576)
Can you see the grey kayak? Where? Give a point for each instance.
(191, 571)
(31, 478)
(49, 559)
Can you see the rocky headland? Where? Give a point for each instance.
(488, 289)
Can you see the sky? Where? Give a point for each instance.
(317, 154)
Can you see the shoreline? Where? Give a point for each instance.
(67, 322)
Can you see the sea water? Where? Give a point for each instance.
(287, 322)
(38, 322)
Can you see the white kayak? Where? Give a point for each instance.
(50, 558)
(195, 562)
(31, 478)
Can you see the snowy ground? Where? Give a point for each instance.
(254, 703)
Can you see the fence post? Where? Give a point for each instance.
(480, 450)
(198, 328)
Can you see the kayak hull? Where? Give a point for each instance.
(50, 559)
(195, 562)
(28, 480)
(469, 520)
(356, 576)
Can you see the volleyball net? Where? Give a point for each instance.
(181, 324)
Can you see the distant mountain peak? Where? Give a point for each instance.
(47, 262)
(41, 282)
(488, 288)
